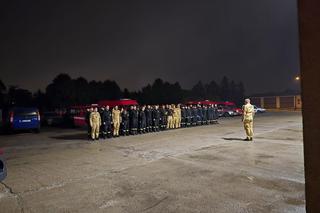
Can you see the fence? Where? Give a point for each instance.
(278, 102)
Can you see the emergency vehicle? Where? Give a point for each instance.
(78, 113)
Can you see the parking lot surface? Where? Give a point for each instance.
(200, 169)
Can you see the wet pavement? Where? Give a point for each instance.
(200, 169)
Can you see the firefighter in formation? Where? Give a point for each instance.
(107, 123)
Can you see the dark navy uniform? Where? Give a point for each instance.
(204, 115)
(163, 118)
(188, 116)
(183, 116)
(124, 122)
(142, 121)
(194, 116)
(133, 121)
(102, 128)
(148, 113)
(106, 121)
(156, 119)
(199, 115)
(210, 114)
(87, 119)
(215, 114)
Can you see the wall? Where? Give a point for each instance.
(309, 27)
(292, 102)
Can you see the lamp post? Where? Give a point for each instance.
(297, 79)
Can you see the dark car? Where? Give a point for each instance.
(51, 119)
(3, 169)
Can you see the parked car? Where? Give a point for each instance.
(225, 111)
(258, 109)
(51, 119)
(22, 118)
(3, 168)
(237, 111)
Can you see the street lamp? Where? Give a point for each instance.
(297, 78)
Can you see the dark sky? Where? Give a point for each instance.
(134, 42)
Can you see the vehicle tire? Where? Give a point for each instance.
(3, 169)
(226, 115)
(8, 131)
(37, 130)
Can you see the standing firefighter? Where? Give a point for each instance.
(204, 115)
(133, 118)
(183, 116)
(194, 115)
(142, 120)
(163, 117)
(175, 116)
(248, 114)
(199, 115)
(87, 118)
(178, 125)
(116, 121)
(148, 112)
(215, 113)
(95, 123)
(156, 118)
(210, 114)
(125, 122)
(188, 116)
(169, 117)
(106, 122)
(102, 127)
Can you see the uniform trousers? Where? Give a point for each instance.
(95, 130)
(248, 126)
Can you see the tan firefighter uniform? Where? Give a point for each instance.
(179, 116)
(170, 118)
(175, 117)
(95, 123)
(248, 114)
(116, 121)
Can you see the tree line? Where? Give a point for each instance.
(64, 91)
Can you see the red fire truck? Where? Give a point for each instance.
(78, 113)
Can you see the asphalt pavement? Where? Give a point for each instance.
(199, 169)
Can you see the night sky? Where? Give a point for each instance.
(134, 42)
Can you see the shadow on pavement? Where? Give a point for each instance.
(79, 136)
(233, 139)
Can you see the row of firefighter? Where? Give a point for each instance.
(106, 122)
